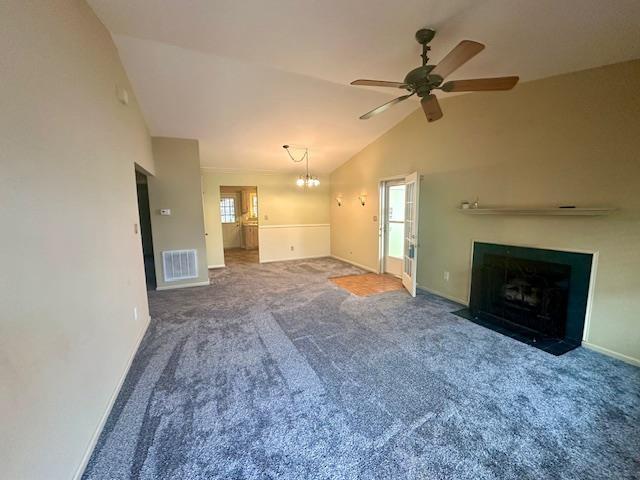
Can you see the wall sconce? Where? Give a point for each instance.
(363, 199)
(339, 201)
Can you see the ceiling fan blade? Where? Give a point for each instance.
(385, 106)
(379, 83)
(478, 84)
(461, 54)
(431, 108)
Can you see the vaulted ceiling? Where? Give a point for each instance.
(246, 77)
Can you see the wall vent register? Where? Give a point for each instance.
(179, 265)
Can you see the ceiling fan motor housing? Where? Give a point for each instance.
(421, 81)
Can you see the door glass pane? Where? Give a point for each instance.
(409, 208)
(254, 206)
(407, 266)
(408, 245)
(396, 203)
(395, 240)
(227, 209)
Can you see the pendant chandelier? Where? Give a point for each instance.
(305, 180)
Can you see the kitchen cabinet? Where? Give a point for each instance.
(250, 235)
(245, 201)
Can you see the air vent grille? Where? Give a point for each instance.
(179, 265)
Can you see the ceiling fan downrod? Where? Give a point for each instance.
(423, 37)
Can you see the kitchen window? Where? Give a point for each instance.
(228, 209)
(253, 211)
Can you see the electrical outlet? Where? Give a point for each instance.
(292, 248)
(446, 276)
(266, 217)
(135, 313)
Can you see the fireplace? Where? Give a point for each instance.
(534, 295)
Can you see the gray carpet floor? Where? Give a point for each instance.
(272, 372)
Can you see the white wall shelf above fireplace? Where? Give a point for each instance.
(552, 211)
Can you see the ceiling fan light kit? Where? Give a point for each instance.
(422, 81)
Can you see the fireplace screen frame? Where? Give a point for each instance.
(580, 264)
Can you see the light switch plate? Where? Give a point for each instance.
(375, 218)
(165, 211)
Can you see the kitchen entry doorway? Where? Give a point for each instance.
(239, 218)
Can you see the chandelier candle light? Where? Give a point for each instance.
(305, 180)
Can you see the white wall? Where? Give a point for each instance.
(72, 269)
(290, 242)
(177, 186)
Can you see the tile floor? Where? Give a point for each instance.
(368, 283)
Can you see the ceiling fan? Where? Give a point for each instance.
(423, 80)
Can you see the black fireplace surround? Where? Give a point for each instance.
(534, 295)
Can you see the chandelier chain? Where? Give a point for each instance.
(305, 180)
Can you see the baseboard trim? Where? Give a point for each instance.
(355, 264)
(611, 353)
(295, 258)
(112, 400)
(443, 295)
(222, 265)
(184, 285)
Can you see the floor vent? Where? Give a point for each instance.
(179, 265)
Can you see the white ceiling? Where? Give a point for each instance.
(245, 77)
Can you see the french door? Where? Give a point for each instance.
(393, 216)
(410, 263)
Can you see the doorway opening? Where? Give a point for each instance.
(142, 187)
(397, 251)
(239, 217)
(393, 220)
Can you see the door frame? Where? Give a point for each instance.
(381, 214)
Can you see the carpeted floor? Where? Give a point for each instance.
(273, 372)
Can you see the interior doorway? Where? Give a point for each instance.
(239, 218)
(398, 248)
(144, 212)
(393, 223)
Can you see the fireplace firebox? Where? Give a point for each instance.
(536, 296)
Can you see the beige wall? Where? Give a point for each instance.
(280, 202)
(177, 186)
(72, 270)
(572, 139)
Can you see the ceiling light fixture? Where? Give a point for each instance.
(305, 180)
